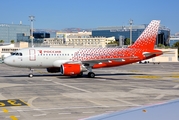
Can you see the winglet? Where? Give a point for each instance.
(147, 39)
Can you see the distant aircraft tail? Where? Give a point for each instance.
(147, 39)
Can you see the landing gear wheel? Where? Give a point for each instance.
(30, 75)
(91, 75)
(31, 72)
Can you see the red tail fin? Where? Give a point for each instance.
(148, 38)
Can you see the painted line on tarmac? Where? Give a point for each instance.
(174, 76)
(159, 96)
(5, 110)
(72, 87)
(30, 102)
(96, 103)
(134, 71)
(88, 112)
(2, 97)
(126, 102)
(40, 109)
(176, 86)
(47, 79)
(148, 76)
(39, 115)
(13, 117)
(12, 102)
(64, 113)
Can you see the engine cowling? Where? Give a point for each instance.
(53, 70)
(72, 69)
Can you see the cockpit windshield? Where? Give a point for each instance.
(16, 54)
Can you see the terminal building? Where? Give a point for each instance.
(8, 32)
(80, 39)
(124, 32)
(173, 39)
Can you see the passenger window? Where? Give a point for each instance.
(20, 54)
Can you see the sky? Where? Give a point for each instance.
(60, 14)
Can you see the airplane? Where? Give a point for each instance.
(75, 61)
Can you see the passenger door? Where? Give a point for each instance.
(32, 55)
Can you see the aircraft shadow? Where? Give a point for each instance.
(47, 75)
(98, 76)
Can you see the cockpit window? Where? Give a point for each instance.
(16, 54)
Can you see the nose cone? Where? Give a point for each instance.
(7, 61)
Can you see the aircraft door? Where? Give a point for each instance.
(32, 56)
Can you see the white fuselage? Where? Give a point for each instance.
(40, 57)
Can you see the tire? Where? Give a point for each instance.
(91, 75)
(30, 75)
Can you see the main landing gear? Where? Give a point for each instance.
(31, 74)
(90, 74)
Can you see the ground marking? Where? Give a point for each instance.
(30, 102)
(64, 113)
(72, 87)
(13, 117)
(88, 112)
(5, 110)
(160, 96)
(176, 86)
(39, 115)
(47, 79)
(127, 102)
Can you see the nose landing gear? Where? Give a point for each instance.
(31, 74)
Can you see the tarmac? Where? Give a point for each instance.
(49, 96)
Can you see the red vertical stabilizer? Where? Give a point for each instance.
(147, 39)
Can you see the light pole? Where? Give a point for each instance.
(31, 30)
(8, 34)
(131, 21)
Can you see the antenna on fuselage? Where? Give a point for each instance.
(32, 18)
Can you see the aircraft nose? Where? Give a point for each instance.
(7, 61)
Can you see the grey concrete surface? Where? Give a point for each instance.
(55, 97)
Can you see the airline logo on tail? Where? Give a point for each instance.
(147, 39)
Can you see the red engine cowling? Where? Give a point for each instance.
(53, 70)
(71, 69)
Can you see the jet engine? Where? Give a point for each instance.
(53, 70)
(72, 69)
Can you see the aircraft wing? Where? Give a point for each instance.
(109, 60)
(162, 111)
(99, 61)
